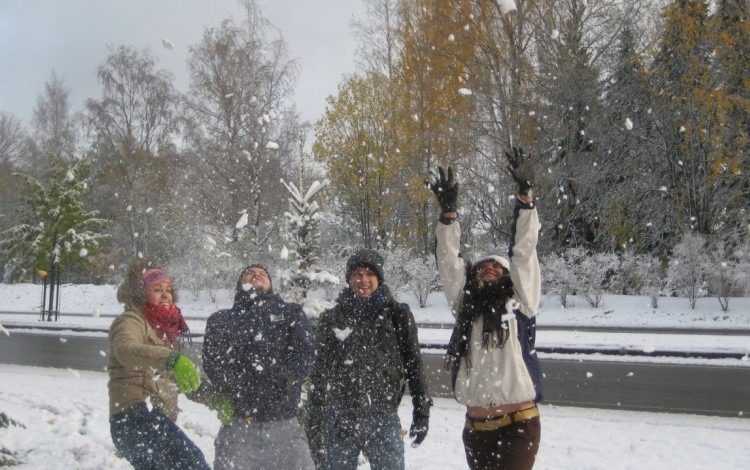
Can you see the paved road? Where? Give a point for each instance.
(720, 391)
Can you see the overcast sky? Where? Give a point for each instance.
(71, 38)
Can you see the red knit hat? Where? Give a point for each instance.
(155, 276)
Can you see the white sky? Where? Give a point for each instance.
(70, 37)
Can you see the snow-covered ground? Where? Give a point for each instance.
(65, 411)
(616, 310)
(95, 306)
(65, 417)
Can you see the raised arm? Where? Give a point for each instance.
(448, 232)
(524, 262)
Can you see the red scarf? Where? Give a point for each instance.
(167, 321)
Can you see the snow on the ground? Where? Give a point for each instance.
(64, 412)
(97, 306)
(65, 417)
(616, 310)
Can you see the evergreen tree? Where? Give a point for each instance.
(303, 235)
(571, 89)
(56, 231)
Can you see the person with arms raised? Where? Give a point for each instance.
(491, 356)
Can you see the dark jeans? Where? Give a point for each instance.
(150, 440)
(513, 447)
(377, 437)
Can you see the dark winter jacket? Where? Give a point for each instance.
(367, 351)
(257, 354)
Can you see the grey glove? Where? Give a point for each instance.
(445, 189)
(521, 169)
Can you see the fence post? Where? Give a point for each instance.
(43, 275)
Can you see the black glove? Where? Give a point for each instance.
(521, 170)
(314, 429)
(445, 189)
(315, 437)
(420, 423)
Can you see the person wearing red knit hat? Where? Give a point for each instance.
(146, 366)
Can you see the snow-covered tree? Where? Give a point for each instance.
(415, 275)
(630, 279)
(722, 271)
(240, 126)
(206, 267)
(688, 265)
(12, 137)
(593, 272)
(54, 125)
(133, 125)
(642, 274)
(303, 236)
(557, 274)
(55, 230)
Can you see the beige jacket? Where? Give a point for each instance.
(138, 366)
(509, 374)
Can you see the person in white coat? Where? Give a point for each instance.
(491, 355)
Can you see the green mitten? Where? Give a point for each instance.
(224, 409)
(187, 375)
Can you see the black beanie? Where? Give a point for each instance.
(365, 258)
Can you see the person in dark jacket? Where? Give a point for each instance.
(367, 351)
(257, 355)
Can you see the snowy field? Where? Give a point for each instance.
(64, 412)
(616, 310)
(95, 307)
(65, 417)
